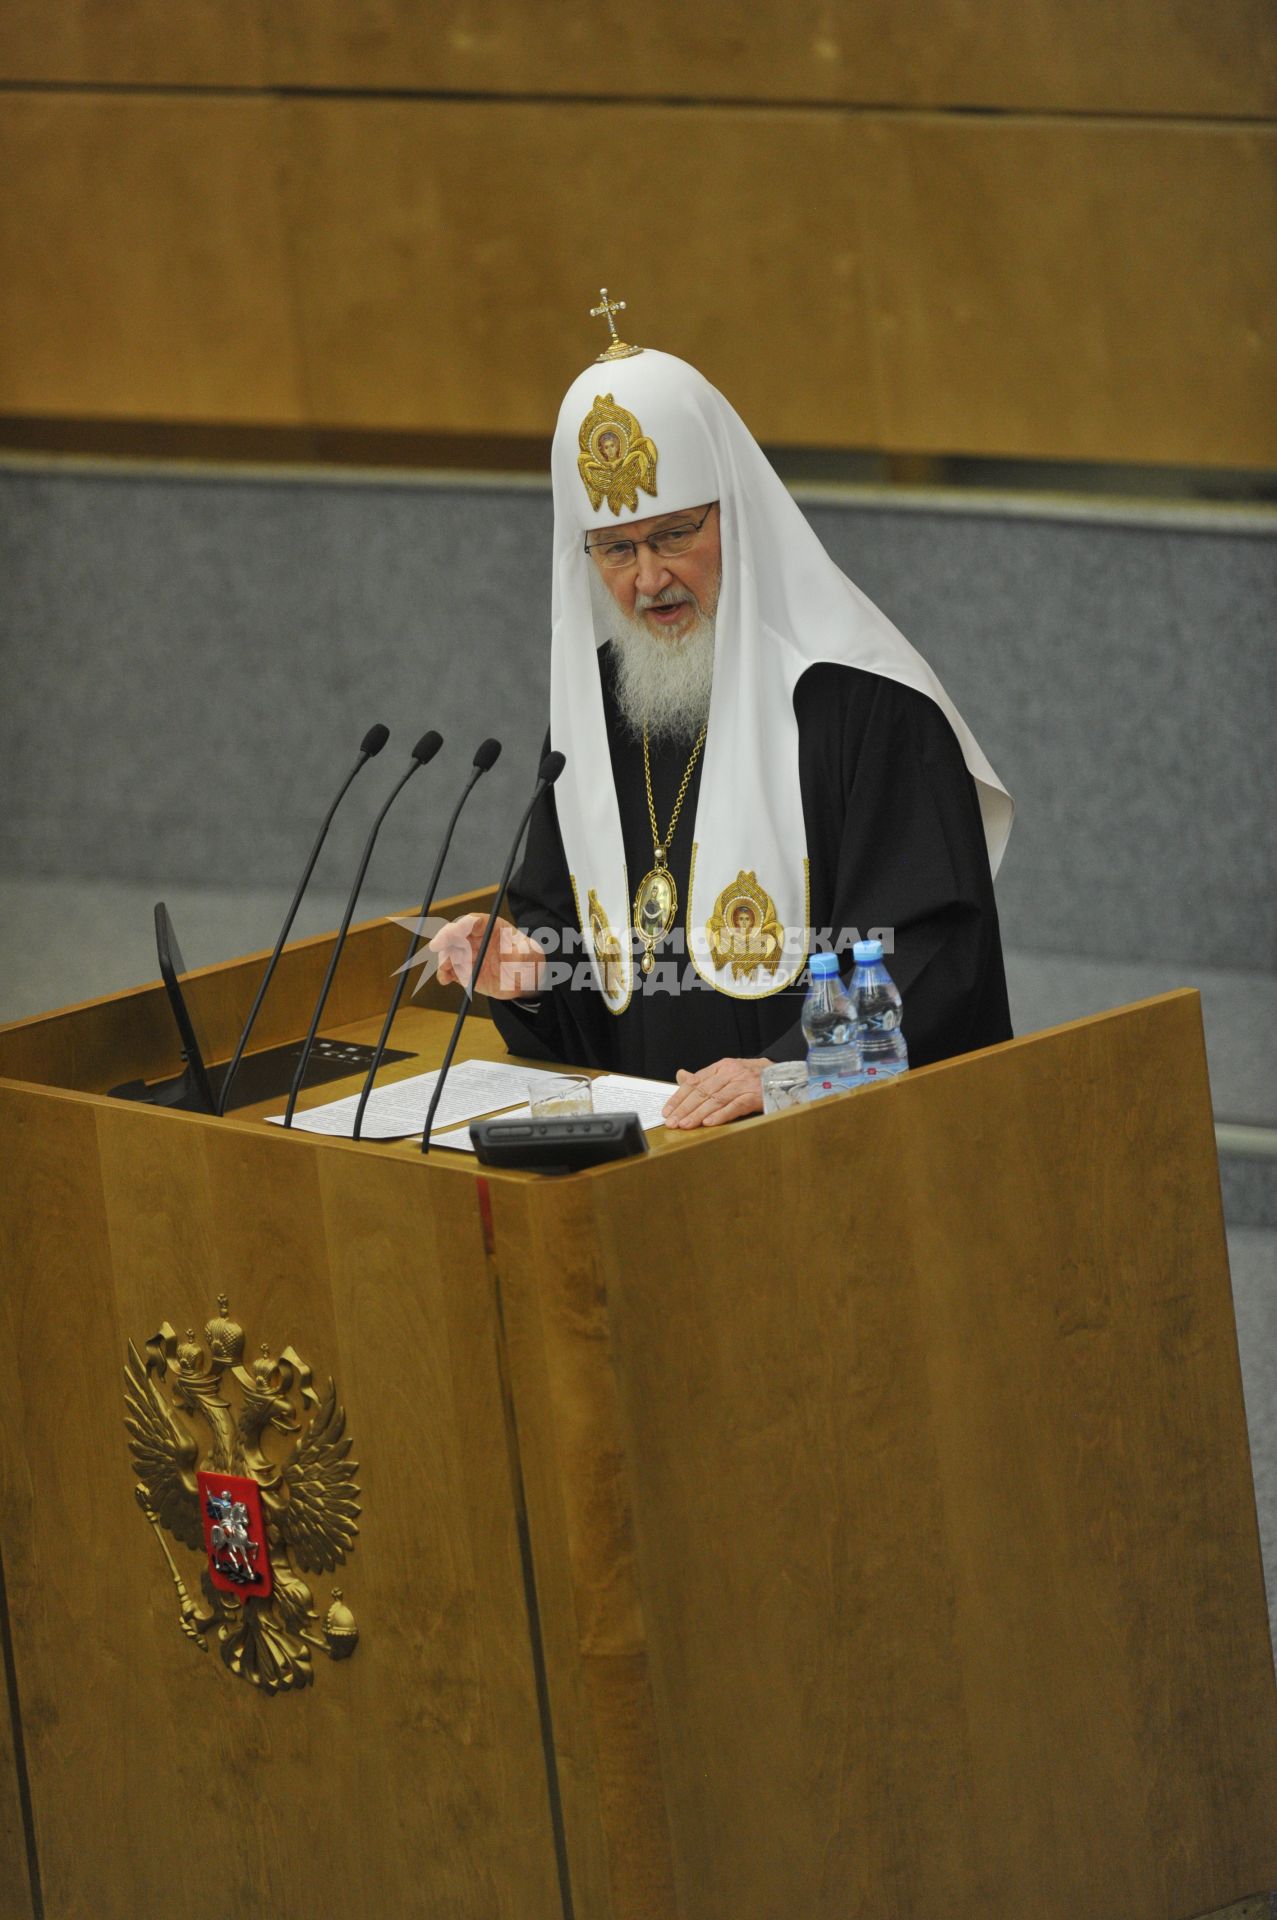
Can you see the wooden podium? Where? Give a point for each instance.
(846, 1513)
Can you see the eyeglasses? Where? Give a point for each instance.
(666, 545)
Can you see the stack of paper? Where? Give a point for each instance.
(399, 1108)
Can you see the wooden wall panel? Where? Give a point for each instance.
(1136, 56)
(1074, 289)
(1090, 291)
(215, 43)
(142, 259)
(447, 257)
(1058, 289)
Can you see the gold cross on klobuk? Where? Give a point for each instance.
(617, 348)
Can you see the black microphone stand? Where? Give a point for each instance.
(371, 745)
(424, 751)
(486, 757)
(547, 773)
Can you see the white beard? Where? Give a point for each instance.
(664, 684)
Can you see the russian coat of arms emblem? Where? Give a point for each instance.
(251, 1467)
(234, 1533)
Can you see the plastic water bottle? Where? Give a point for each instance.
(829, 1023)
(878, 1013)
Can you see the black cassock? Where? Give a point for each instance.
(894, 838)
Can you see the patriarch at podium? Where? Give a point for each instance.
(758, 764)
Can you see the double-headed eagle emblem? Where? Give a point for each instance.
(251, 1467)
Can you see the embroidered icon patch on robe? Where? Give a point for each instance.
(607, 948)
(743, 930)
(616, 457)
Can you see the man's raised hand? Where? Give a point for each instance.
(511, 967)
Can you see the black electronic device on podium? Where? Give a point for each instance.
(261, 1076)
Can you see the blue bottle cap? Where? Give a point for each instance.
(865, 952)
(822, 965)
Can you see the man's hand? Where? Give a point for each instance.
(511, 967)
(726, 1091)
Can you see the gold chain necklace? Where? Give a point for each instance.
(656, 902)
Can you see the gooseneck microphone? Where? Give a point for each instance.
(485, 757)
(369, 747)
(547, 773)
(424, 752)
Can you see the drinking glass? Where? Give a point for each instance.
(565, 1096)
(784, 1085)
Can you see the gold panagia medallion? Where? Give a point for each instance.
(743, 930)
(607, 948)
(616, 457)
(656, 902)
(655, 908)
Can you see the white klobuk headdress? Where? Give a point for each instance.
(645, 434)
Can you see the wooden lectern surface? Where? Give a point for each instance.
(846, 1513)
(901, 1499)
(417, 1764)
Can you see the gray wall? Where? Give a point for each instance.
(190, 660)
